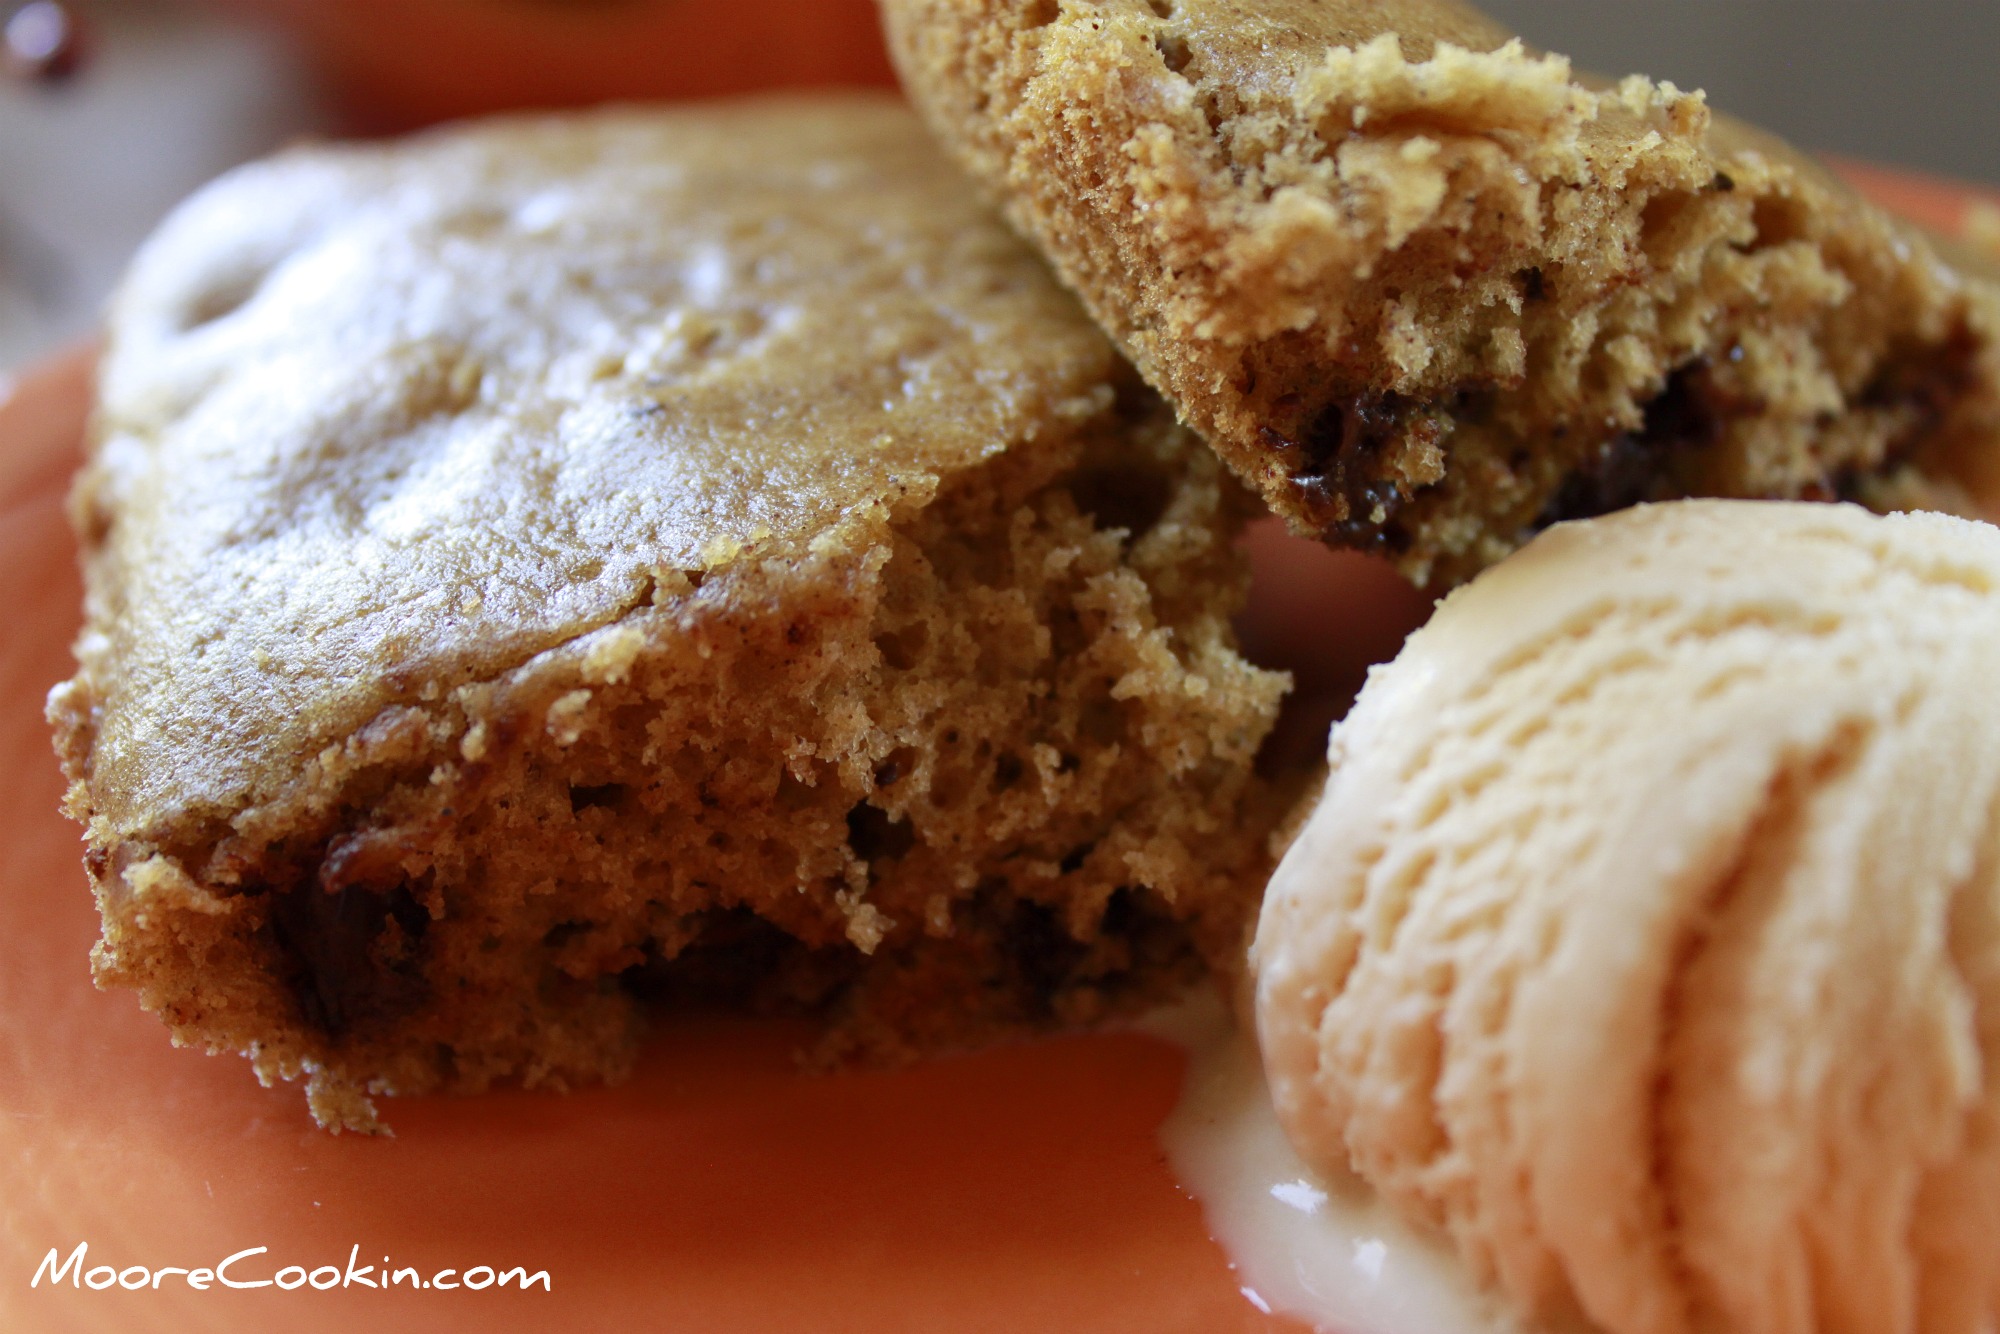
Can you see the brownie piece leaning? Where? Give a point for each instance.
(1428, 291)
(559, 566)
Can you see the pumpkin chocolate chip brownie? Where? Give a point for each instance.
(1429, 291)
(558, 566)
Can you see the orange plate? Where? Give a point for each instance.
(718, 1190)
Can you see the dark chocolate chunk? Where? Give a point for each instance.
(874, 836)
(1334, 459)
(353, 949)
(1636, 466)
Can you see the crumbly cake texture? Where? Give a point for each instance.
(1428, 291)
(560, 566)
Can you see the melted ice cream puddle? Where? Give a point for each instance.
(1320, 1249)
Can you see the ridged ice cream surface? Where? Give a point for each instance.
(1646, 941)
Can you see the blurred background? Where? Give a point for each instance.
(1905, 82)
(110, 110)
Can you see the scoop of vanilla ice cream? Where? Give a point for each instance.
(1646, 939)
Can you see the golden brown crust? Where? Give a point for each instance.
(1427, 291)
(797, 604)
(377, 420)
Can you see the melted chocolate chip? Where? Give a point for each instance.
(1041, 953)
(737, 961)
(1334, 460)
(1637, 466)
(354, 949)
(583, 797)
(875, 836)
(1928, 380)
